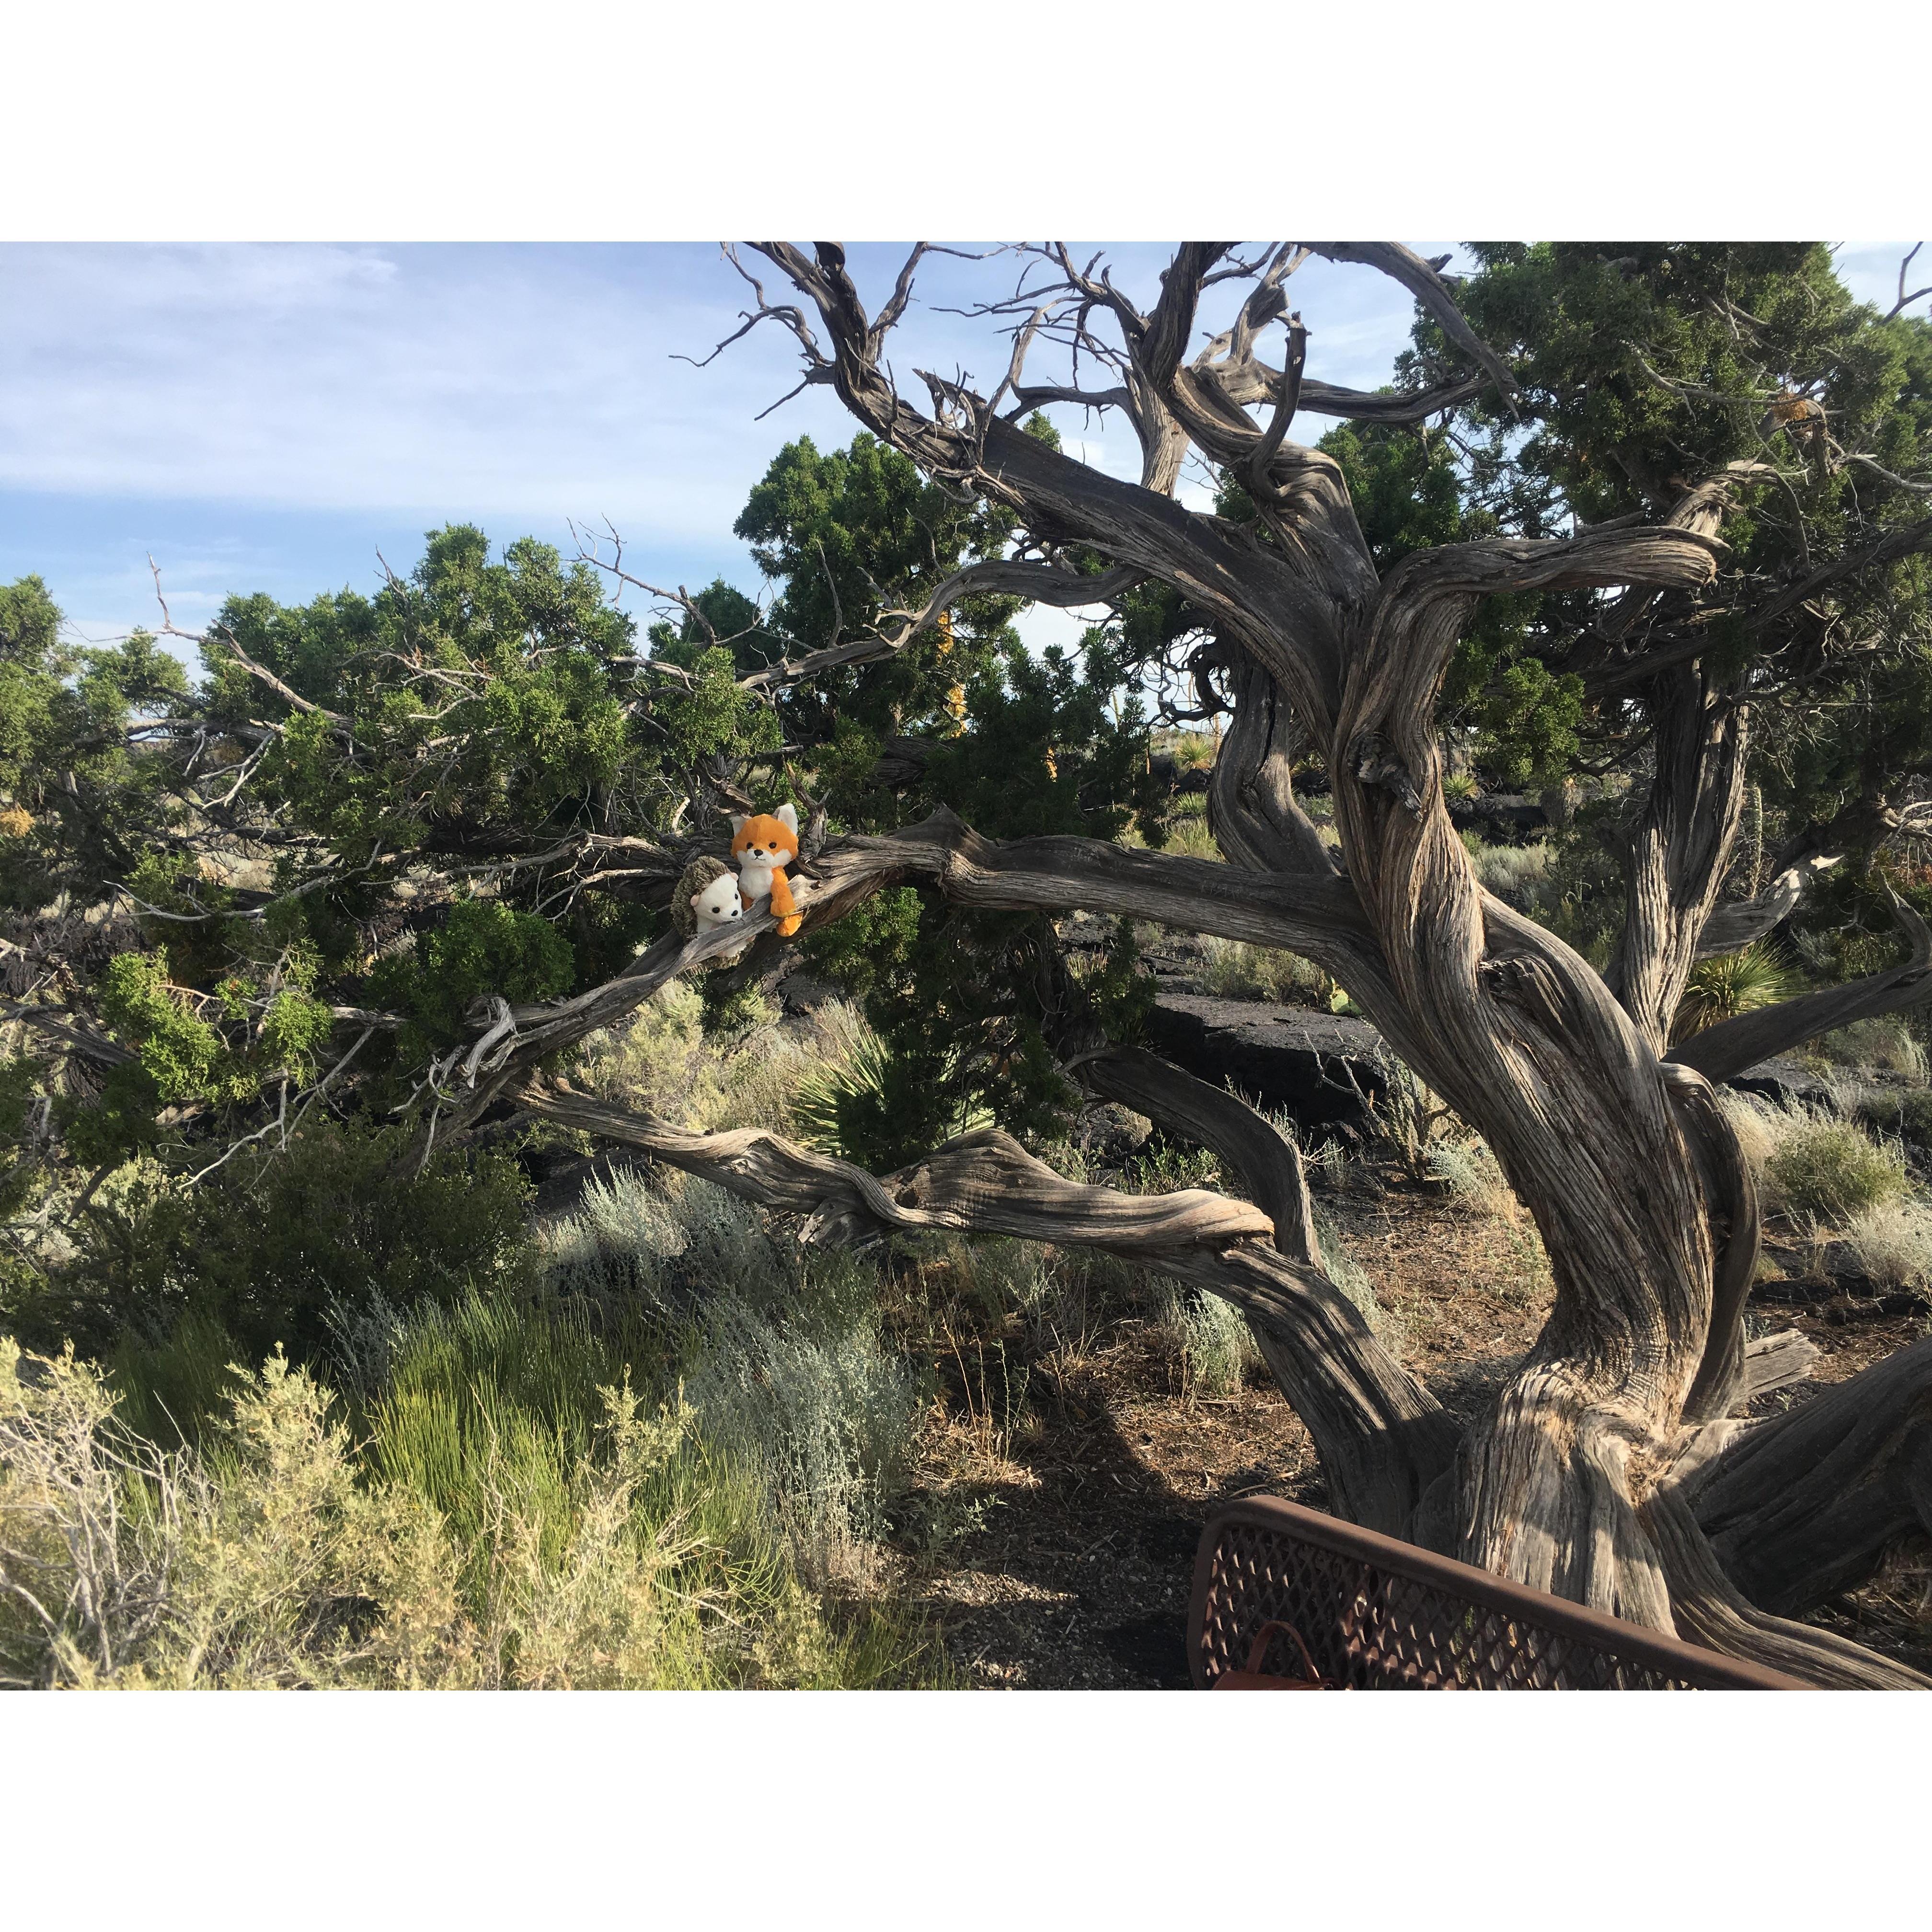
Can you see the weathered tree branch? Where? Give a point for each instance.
(85, 1040)
(1268, 1165)
(1800, 1506)
(1039, 584)
(1251, 804)
(1725, 1050)
(1709, 1609)
(1905, 301)
(1680, 847)
(1743, 922)
(1631, 1171)
(1321, 918)
(1379, 1432)
(1731, 1210)
(1380, 1460)
(983, 1183)
(1424, 282)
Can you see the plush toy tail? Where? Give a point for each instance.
(785, 909)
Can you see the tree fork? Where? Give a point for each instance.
(1384, 1489)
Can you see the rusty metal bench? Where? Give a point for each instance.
(1378, 1615)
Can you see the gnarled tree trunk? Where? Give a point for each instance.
(1610, 1469)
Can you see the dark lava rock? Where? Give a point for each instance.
(560, 1176)
(1491, 813)
(1793, 1294)
(1303, 1060)
(802, 993)
(1874, 1307)
(1194, 778)
(1783, 1082)
(1109, 1133)
(1279, 1057)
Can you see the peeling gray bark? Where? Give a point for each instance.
(1680, 847)
(1731, 927)
(1269, 1167)
(1252, 809)
(1383, 1440)
(1711, 1610)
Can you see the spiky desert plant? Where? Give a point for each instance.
(1737, 982)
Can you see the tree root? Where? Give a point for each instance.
(1807, 1505)
(1709, 1610)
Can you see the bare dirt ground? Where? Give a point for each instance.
(1071, 1565)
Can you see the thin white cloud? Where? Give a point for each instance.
(264, 416)
(504, 380)
(512, 379)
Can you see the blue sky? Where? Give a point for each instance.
(268, 417)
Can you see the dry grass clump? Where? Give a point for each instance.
(1516, 873)
(1233, 970)
(1407, 1117)
(1208, 1339)
(262, 1560)
(495, 1507)
(1468, 1172)
(1348, 1274)
(1756, 1123)
(661, 1063)
(1188, 838)
(1829, 1170)
(1884, 1045)
(780, 1354)
(767, 1075)
(1211, 1343)
(1814, 1165)
(1506, 1250)
(1893, 1244)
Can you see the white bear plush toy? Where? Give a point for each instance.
(719, 903)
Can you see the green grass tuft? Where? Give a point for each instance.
(1830, 1171)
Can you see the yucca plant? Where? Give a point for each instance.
(1737, 982)
(839, 1105)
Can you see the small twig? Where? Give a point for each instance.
(1905, 301)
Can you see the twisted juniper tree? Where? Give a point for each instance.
(1612, 1468)
(401, 856)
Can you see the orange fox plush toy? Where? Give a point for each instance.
(761, 848)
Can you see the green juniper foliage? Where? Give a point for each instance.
(1017, 745)
(1647, 368)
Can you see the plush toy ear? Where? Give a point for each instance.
(788, 817)
(737, 823)
(695, 897)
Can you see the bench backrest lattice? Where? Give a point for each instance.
(1379, 1615)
